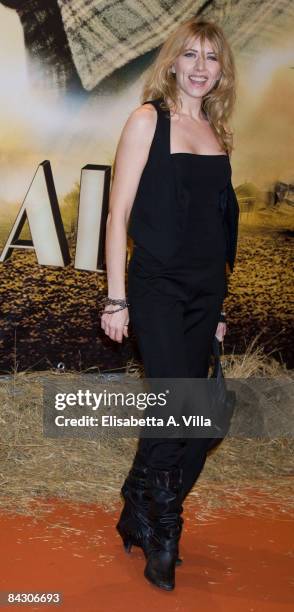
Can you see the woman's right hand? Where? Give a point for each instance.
(115, 325)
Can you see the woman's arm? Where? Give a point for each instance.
(230, 209)
(131, 157)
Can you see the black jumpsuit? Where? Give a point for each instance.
(175, 307)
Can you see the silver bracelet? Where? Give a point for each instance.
(121, 302)
(116, 310)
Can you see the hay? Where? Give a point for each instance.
(34, 468)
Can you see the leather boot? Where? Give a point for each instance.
(165, 508)
(134, 525)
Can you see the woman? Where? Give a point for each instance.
(172, 189)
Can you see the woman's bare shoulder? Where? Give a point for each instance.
(142, 120)
(144, 111)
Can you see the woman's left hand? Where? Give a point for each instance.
(221, 331)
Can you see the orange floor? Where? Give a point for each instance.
(231, 564)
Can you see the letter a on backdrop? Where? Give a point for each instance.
(40, 208)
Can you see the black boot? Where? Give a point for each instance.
(134, 526)
(164, 511)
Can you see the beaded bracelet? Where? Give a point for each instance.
(122, 302)
(116, 310)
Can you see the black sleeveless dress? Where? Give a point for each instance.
(175, 306)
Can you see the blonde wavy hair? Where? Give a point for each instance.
(218, 103)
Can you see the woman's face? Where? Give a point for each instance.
(195, 73)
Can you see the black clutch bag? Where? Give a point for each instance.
(222, 400)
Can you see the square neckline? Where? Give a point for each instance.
(188, 152)
(200, 154)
